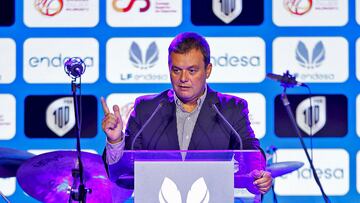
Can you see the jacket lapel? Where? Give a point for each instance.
(205, 121)
(169, 114)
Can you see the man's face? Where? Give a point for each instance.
(188, 75)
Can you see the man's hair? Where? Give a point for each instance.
(187, 41)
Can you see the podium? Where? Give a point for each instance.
(184, 175)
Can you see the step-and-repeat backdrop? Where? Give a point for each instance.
(124, 46)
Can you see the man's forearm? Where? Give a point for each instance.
(114, 151)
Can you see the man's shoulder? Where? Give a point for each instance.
(230, 100)
(152, 99)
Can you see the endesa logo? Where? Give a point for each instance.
(49, 7)
(118, 7)
(46, 65)
(239, 59)
(323, 118)
(57, 61)
(298, 7)
(54, 117)
(331, 165)
(235, 61)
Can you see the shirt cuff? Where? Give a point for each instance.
(114, 151)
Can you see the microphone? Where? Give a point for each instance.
(74, 67)
(286, 79)
(228, 124)
(161, 104)
(271, 149)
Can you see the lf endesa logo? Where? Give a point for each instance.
(312, 59)
(323, 118)
(143, 60)
(141, 63)
(53, 116)
(7, 12)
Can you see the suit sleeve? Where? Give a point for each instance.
(243, 127)
(133, 126)
(241, 124)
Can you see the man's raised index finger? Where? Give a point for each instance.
(104, 105)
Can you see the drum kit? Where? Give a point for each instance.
(52, 177)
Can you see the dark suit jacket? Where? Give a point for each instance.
(210, 131)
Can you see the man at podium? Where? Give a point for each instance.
(190, 116)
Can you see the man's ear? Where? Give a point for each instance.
(208, 70)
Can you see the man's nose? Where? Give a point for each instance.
(184, 76)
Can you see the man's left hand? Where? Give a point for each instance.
(263, 180)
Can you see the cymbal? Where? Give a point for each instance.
(48, 177)
(282, 168)
(10, 161)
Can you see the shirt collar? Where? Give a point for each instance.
(199, 101)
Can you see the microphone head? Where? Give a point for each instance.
(74, 67)
(286, 80)
(274, 76)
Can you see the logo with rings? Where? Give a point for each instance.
(49, 7)
(298, 7)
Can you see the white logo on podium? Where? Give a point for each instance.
(60, 116)
(198, 193)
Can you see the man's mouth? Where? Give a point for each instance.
(183, 87)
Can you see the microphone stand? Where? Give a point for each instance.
(78, 190)
(4, 197)
(293, 122)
